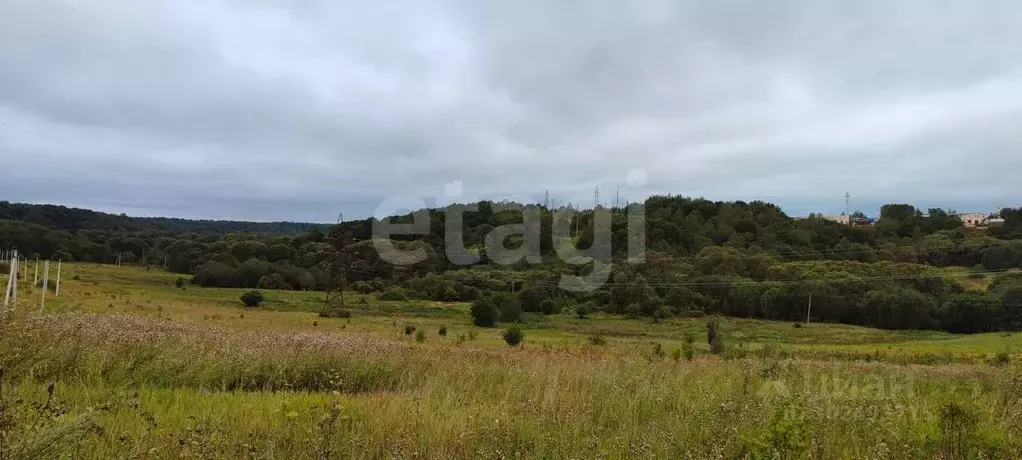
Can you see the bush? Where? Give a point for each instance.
(598, 340)
(272, 281)
(688, 346)
(583, 310)
(335, 313)
(484, 312)
(713, 336)
(252, 298)
(394, 294)
(511, 310)
(362, 287)
(442, 331)
(513, 336)
(548, 307)
(409, 329)
(79, 278)
(420, 336)
(179, 282)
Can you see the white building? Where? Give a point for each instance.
(973, 219)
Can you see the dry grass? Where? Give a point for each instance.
(168, 380)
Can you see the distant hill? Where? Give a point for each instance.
(65, 218)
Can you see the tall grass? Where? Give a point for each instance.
(208, 392)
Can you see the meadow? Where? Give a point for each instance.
(125, 364)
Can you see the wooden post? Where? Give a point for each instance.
(7, 292)
(14, 276)
(57, 291)
(46, 283)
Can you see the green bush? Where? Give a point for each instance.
(484, 311)
(688, 346)
(272, 281)
(179, 282)
(713, 337)
(598, 340)
(442, 331)
(409, 329)
(335, 313)
(583, 310)
(511, 310)
(252, 298)
(394, 294)
(513, 336)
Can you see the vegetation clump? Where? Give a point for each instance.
(252, 298)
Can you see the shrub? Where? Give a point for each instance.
(957, 429)
(76, 278)
(511, 310)
(252, 298)
(272, 281)
(548, 307)
(484, 312)
(798, 325)
(362, 287)
(394, 294)
(658, 350)
(713, 336)
(442, 331)
(598, 340)
(334, 312)
(688, 346)
(513, 336)
(409, 329)
(179, 282)
(420, 336)
(583, 310)
(1002, 358)
(786, 436)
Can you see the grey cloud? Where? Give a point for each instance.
(269, 110)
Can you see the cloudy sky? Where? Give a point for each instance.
(296, 110)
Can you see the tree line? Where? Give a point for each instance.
(703, 257)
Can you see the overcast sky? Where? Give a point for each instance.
(297, 110)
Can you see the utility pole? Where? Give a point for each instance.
(810, 309)
(617, 197)
(596, 198)
(57, 292)
(35, 280)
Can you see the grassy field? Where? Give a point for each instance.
(142, 369)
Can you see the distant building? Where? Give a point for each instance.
(973, 219)
(842, 219)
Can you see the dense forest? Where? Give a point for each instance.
(702, 258)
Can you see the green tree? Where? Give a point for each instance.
(971, 312)
(484, 311)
